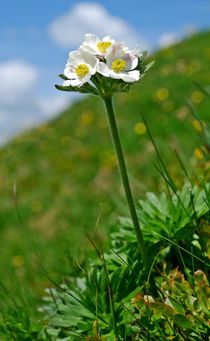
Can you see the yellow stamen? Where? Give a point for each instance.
(118, 65)
(82, 70)
(103, 46)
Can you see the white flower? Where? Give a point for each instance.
(95, 46)
(80, 66)
(120, 64)
(137, 52)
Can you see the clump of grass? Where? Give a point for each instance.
(115, 299)
(118, 299)
(17, 324)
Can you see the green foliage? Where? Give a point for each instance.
(181, 314)
(84, 89)
(112, 85)
(168, 305)
(44, 224)
(66, 167)
(17, 325)
(173, 226)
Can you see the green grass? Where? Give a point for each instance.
(66, 169)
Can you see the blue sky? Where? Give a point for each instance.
(36, 36)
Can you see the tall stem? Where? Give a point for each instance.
(123, 170)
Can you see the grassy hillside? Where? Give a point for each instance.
(65, 171)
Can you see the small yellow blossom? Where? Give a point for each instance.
(17, 261)
(198, 125)
(140, 128)
(198, 154)
(162, 94)
(197, 97)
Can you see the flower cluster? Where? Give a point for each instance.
(98, 60)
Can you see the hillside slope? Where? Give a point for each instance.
(65, 169)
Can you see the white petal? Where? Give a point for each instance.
(72, 82)
(89, 58)
(131, 61)
(69, 73)
(108, 38)
(115, 52)
(115, 75)
(103, 69)
(131, 76)
(74, 59)
(137, 52)
(90, 43)
(93, 69)
(91, 49)
(85, 79)
(73, 55)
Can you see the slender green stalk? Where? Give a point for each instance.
(123, 170)
(111, 301)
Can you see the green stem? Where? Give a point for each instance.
(123, 170)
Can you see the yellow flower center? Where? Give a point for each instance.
(82, 70)
(118, 65)
(103, 46)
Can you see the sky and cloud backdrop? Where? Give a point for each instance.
(36, 37)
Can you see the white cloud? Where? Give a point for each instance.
(68, 30)
(17, 78)
(168, 38)
(51, 106)
(190, 30)
(21, 106)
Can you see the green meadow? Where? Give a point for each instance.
(60, 181)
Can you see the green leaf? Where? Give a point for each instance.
(148, 66)
(53, 331)
(162, 308)
(176, 305)
(85, 89)
(63, 77)
(183, 322)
